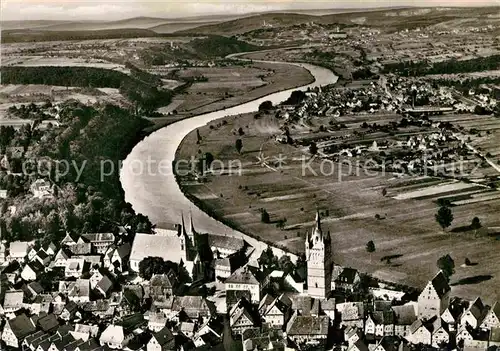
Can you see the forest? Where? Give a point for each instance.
(79, 204)
(140, 87)
(421, 68)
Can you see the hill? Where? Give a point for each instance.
(15, 36)
(386, 19)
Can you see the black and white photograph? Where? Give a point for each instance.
(255, 175)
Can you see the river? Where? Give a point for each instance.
(148, 179)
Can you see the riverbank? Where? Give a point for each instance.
(285, 77)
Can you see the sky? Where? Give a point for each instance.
(115, 9)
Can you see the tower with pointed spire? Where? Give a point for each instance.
(319, 261)
(187, 240)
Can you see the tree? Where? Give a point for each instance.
(267, 259)
(313, 148)
(264, 216)
(285, 264)
(281, 223)
(475, 223)
(238, 145)
(198, 136)
(266, 106)
(240, 131)
(384, 192)
(444, 216)
(370, 248)
(446, 265)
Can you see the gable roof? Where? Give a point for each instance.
(105, 284)
(13, 299)
(476, 308)
(308, 325)
(225, 242)
(48, 323)
(245, 275)
(21, 326)
(151, 245)
(405, 315)
(440, 284)
(164, 336)
(99, 237)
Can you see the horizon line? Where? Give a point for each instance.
(254, 13)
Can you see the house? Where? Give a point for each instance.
(104, 286)
(278, 312)
(380, 323)
(47, 322)
(464, 333)
(440, 334)
(61, 258)
(405, 316)
(69, 240)
(474, 314)
(358, 346)
(18, 250)
(351, 314)
(352, 335)
(344, 278)
(420, 333)
(31, 271)
(42, 257)
(157, 321)
(248, 279)
(74, 268)
(329, 308)
(117, 336)
(194, 307)
(68, 311)
(162, 340)
(116, 258)
(307, 328)
(34, 289)
(13, 301)
(41, 303)
(451, 315)
(100, 241)
(163, 285)
(84, 332)
(434, 298)
(41, 189)
(243, 316)
(492, 319)
(223, 246)
(95, 278)
(80, 291)
(16, 329)
(187, 329)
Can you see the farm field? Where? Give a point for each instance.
(229, 86)
(290, 187)
(37, 61)
(15, 94)
(486, 141)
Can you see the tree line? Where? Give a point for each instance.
(140, 87)
(453, 66)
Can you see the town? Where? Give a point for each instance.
(180, 289)
(363, 215)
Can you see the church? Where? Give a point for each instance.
(319, 261)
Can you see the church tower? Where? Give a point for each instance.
(319, 262)
(187, 241)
